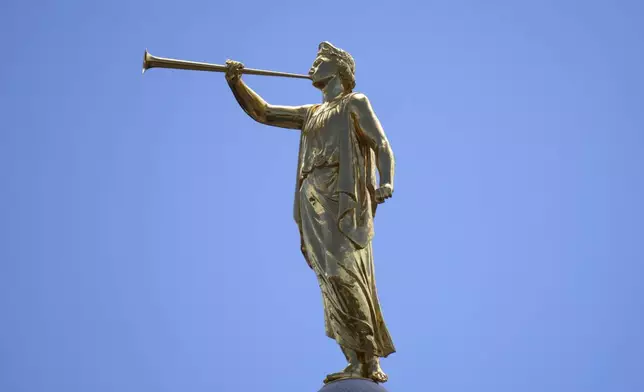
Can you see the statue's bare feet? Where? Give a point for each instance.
(373, 371)
(351, 371)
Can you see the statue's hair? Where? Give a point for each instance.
(346, 64)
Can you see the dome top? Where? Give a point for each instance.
(353, 385)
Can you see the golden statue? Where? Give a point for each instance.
(341, 144)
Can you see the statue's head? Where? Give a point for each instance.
(331, 62)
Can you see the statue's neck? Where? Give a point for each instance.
(332, 90)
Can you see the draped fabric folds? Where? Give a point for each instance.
(334, 210)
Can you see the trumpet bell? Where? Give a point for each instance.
(146, 59)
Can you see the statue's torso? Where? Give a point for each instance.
(329, 141)
(321, 135)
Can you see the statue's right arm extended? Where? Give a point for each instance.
(260, 110)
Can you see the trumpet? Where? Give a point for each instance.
(150, 61)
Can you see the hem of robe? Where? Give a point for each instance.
(377, 353)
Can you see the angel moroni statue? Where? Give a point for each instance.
(341, 145)
(336, 194)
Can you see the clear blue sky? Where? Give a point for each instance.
(146, 237)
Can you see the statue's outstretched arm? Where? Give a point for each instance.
(372, 133)
(260, 110)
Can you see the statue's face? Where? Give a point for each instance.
(323, 70)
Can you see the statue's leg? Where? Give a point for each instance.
(355, 365)
(371, 369)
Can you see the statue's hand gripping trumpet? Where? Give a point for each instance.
(341, 145)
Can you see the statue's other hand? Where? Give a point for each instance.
(385, 191)
(233, 73)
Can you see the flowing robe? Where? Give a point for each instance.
(334, 209)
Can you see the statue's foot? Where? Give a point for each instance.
(351, 371)
(374, 371)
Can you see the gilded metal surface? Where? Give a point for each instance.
(341, 145)
(150, 61)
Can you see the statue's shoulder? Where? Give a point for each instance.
(358, 102)
(357, 97)
(310, 109)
